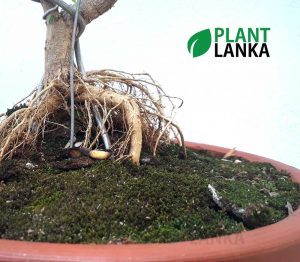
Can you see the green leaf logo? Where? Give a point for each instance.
(199, 43)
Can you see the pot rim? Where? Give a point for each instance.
(276, 242)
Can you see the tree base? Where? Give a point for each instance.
(131, 105)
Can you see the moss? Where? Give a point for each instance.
(9, 111)
(166, 200)
(5, 170)
(46, 201)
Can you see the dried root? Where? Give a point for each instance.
(133, 107)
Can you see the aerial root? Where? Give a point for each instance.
(133, 109)
(23, 126)
(131, 114)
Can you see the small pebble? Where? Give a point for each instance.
(30, 165)
(78, 144)
(226, 160)
(146, 160)
(289, 208)
(273, 194)
(29, 231)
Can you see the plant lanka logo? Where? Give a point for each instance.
(250, 42)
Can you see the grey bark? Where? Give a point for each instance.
(91, 9)
(59, 35)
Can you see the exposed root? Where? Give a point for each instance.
(133, 109)
(23, 127)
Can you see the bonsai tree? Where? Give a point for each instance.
(127, 108)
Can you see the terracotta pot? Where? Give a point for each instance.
(277, 242)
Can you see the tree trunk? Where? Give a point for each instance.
(59, 35)
(26, 125)
(57, 49)
(58, 44)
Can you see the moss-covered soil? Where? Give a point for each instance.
(165, 200)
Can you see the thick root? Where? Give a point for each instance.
(131, 105)
(131, 113)
(22, 127)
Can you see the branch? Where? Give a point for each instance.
(91, 9)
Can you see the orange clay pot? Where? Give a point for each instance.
(277, 242)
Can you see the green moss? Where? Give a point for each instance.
(164, 201)
(46, 201)
(15, 108)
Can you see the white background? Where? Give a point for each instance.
(249, 103)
